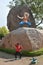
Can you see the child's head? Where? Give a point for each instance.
(17, 43)
(26, 15)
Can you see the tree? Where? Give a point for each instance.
(36, 7)
(3, 32)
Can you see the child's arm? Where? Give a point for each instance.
(19, 17)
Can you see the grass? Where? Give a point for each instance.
(24, 52)
(33, 53)
(7, 50)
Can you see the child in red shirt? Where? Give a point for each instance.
(18, 49)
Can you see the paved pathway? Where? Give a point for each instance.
(7, 59)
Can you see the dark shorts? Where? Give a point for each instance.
(27, 23)
(18, 54)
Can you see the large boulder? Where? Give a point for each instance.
(12, 19)
(29, 38)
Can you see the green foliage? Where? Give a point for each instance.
(24, 52)
(39, 27)
(33, 53)
(10, 51)
(35, 5)
(3, 31)
(1, 35)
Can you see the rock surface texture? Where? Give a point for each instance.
(12, 19)
(29, 38)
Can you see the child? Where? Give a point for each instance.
(18, 49)
(34, 60)
(24, 19)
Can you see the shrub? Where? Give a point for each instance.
(24, 52)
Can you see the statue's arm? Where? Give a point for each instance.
(19, 17)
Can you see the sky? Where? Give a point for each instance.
(4, 10)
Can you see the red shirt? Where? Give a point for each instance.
(18, 48)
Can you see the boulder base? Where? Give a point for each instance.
(29, 38)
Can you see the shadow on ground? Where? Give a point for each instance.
(6, 56)
(9, 57)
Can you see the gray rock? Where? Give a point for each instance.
(12, 19)
(29, 38)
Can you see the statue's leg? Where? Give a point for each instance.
(21, 24)
(29, 24)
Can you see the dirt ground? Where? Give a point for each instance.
(7, 59)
